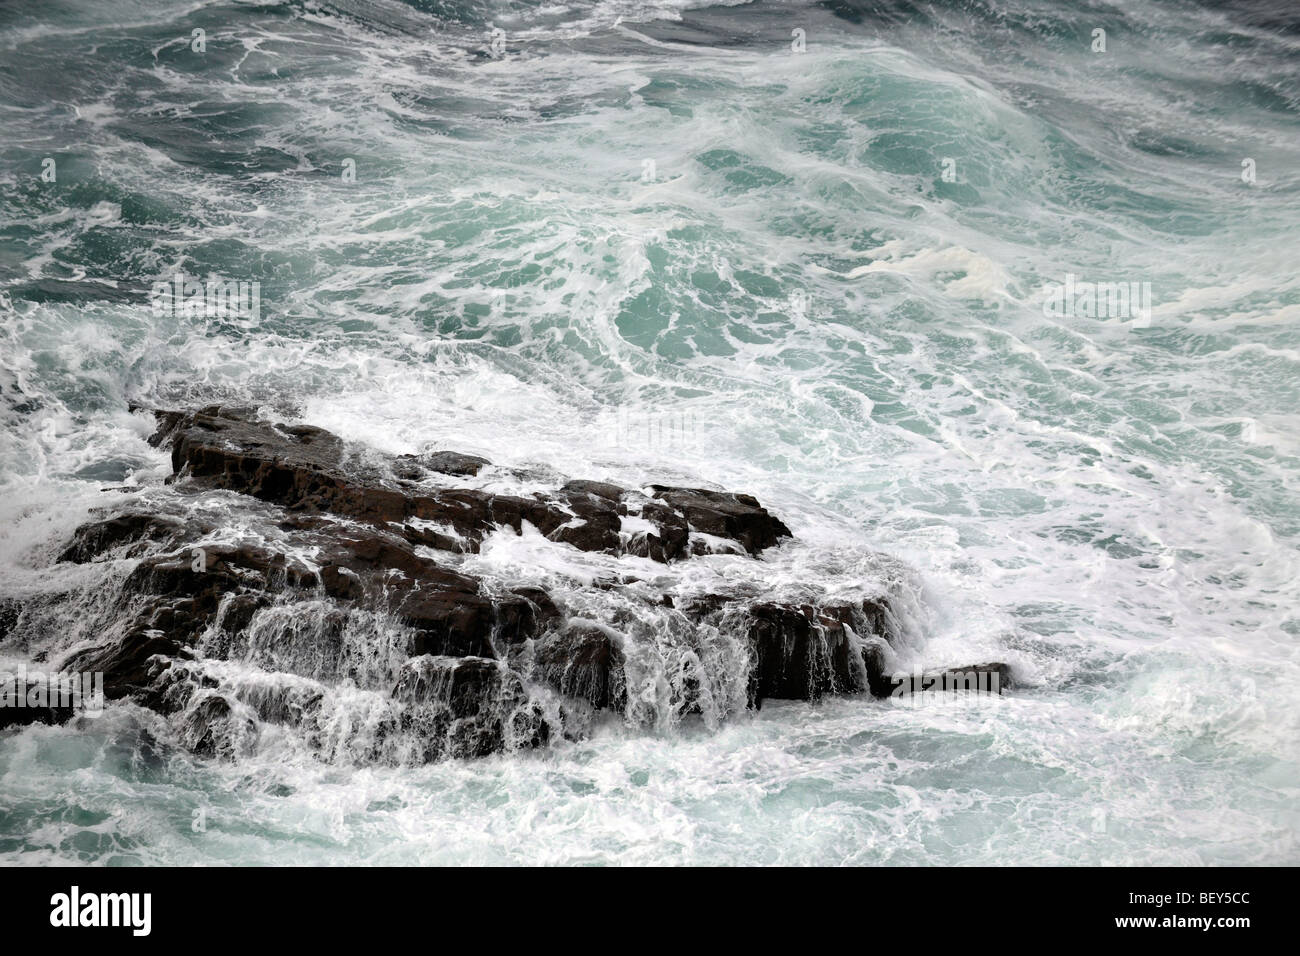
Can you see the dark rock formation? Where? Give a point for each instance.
(990, 678)
(308, 469)
(10, 611)
(18, 713)
(466, 707)
(452, 463)
(344, 608)
(738, 517)
(213, 727)
(585, 662)
(100, 536)
(804, 652)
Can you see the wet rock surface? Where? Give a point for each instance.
(296, 582)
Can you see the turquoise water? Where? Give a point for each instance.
(649, 241)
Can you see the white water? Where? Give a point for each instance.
(1111, 509)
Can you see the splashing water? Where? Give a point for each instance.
(640, 242)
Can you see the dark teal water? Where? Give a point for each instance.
(650, 240)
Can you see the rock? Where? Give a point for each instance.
(94, 538)
(738, 517)
(297, 466)
(26, 716)
(584, 662)
(805, 651)
(340, 609)
(10, 612)
(670, 539)
(175, 601)
(465, 707)
(545, 612)
(987, 678)
(801, 655)
(33, 698)
(597, 489)
(595, 521)
(307, 469)
(212, 727)
(459, 623)
(290, 703)
(131, 665)
(453, 463)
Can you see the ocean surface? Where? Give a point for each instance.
(800, 250)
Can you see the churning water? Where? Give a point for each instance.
(816, 252)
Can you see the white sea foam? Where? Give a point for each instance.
(1112, 510)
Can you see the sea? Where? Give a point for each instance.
(993, 302)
